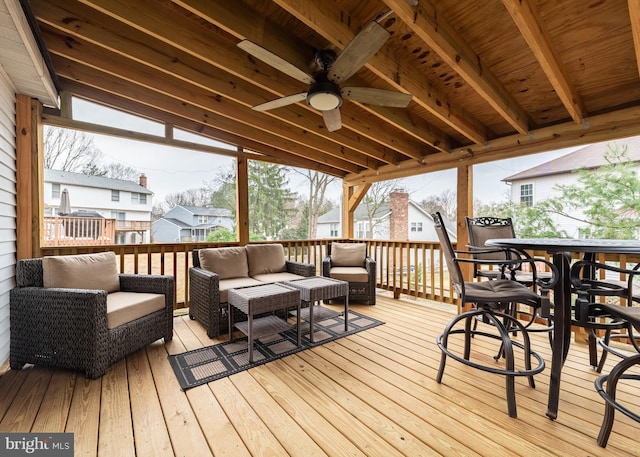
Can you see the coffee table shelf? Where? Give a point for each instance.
(264, 326)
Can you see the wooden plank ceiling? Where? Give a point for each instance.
(489, 79)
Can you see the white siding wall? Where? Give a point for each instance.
(543, 189)
(7, 206)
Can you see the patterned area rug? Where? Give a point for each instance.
(207, 364)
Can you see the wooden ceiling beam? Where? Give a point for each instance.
(272, 154)
(634, 17)
(604, 127)
(192, 70)
(240, 22)
(324, 18)
(440, 36)
(536, 36)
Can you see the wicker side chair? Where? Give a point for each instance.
(68, 327)
(491, 301)
(350, 262)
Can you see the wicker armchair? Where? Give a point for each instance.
(351, 263)
(207, 297)
(68, 328)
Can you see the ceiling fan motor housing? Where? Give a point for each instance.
(324, 95)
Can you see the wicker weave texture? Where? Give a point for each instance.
(264, 298)
(67, 328)
(319, 288)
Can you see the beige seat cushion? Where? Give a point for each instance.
(226, 262)
(277, 277)
(123, 307)
(349, 274)
(348, 254)
(85, 271)
(234, 283)
(265, 258)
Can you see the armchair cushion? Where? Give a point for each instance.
(349, 274)
(124, 307)
(85, 271)
(348, 254)
(226, 262)
(265, 259)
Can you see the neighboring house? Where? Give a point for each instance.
(190, 223)
(539, 183)
(128, 202)
(399, 219)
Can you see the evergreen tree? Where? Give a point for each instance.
(270, 200)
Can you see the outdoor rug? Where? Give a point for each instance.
(207, 364)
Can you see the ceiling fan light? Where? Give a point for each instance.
(324, 101)
(324, 96)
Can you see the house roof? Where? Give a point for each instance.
(205, 211)
(589, 157)
(487, 81)
(360, 214)
(100, 182)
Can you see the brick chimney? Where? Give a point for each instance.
(143, 180)
(399, 220)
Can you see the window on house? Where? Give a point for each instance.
(416, 226)
(115, 195)
(138, 199)
(526, 194)
(203, 219)
(363, 230)
(333, 231)
(119, 215)
(55, 190)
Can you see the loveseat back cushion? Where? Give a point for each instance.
(265, 258)
(84, 271)
(125, 307)
(226, 262)
(348, 254)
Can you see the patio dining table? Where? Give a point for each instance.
(560, 249)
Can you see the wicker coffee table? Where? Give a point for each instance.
(316, 289)
(254, 300)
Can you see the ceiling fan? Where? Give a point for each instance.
(325, 93)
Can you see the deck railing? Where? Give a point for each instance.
(412, 268)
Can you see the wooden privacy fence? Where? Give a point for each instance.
(416, 269)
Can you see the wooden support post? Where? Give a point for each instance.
(242, 199)
(347, 216)
(464, 208)
(29, 177)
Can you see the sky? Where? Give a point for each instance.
(170, 170)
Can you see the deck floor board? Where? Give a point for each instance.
(372, 393)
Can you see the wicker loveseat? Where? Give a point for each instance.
(77, 312)
(217, 270)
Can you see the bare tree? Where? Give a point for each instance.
(190, 197)
(318, 183)
(69, 150)
(377, 196)
(445, 202)
(115, 170)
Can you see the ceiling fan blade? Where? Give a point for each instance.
(275, 61)
(280, 102)
(363, 46)
(379, 97)
(332, 119)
